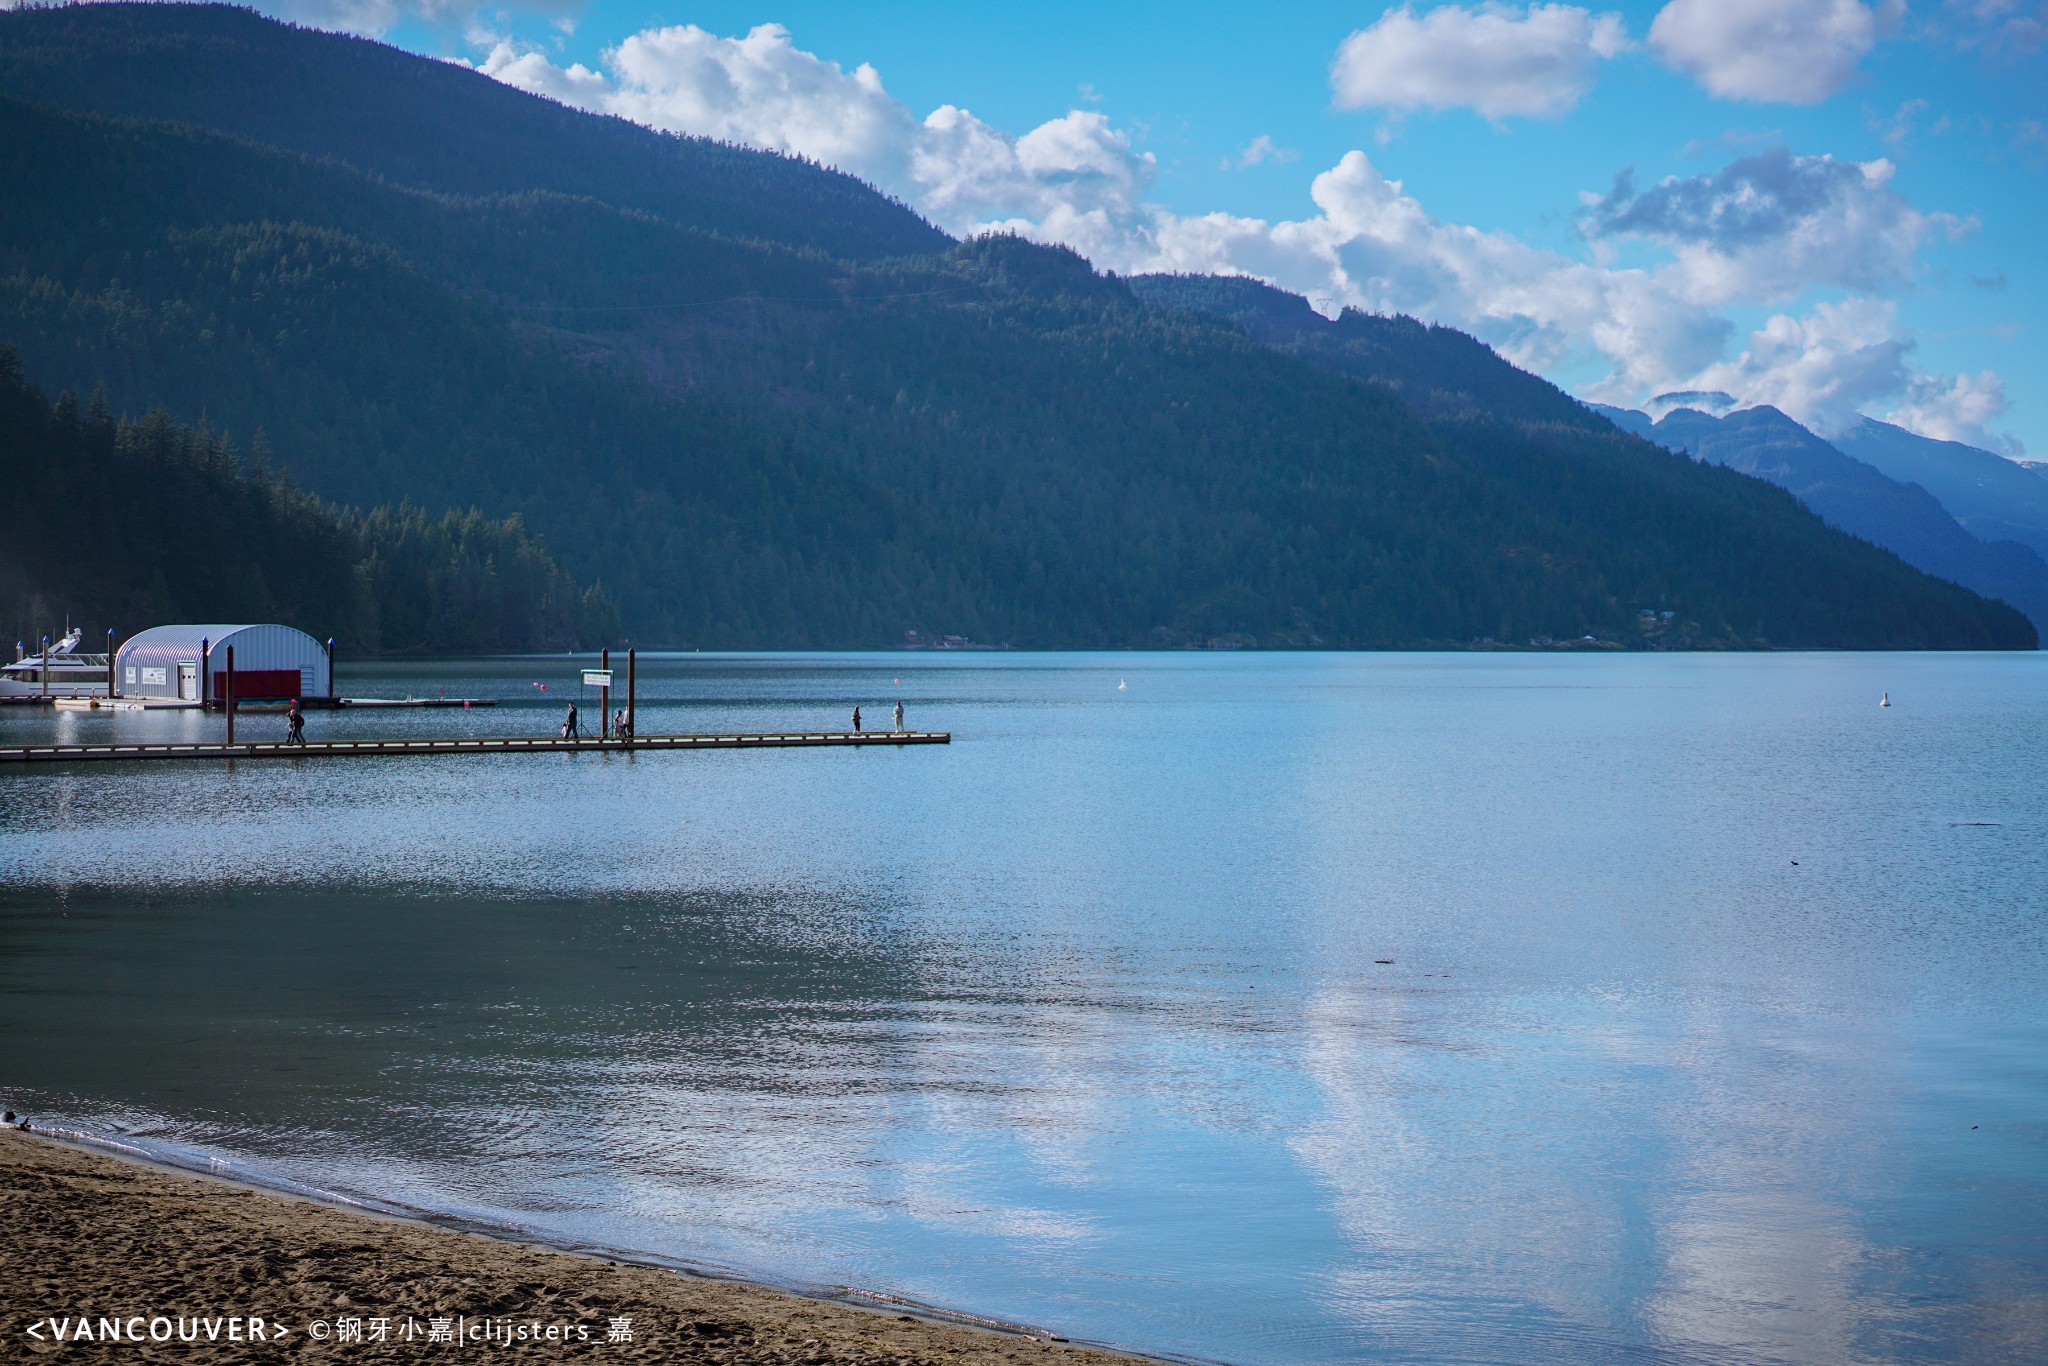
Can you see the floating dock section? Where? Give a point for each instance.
(350, 749)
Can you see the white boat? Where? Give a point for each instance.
(59, 671)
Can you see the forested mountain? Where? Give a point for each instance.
(792, 442)
(1903, 518)
(433, 125)
(147, 521)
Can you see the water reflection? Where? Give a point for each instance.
(1294, 1010)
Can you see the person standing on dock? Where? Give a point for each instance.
(295, 730)
(569, 727)
(899, 713)
(856, 720)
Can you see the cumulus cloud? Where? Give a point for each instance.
(1823, 369)
(1767, 227)
(1769, 51)
(1494, 59)
(1957, 408)
(531, 71)
(762, 90)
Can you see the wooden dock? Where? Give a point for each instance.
(339, 749)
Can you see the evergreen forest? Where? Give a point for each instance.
(143, 521)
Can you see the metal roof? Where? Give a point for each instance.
(181, 637)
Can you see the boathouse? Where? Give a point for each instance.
(190, 663)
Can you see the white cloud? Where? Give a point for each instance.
(1764, 227)
(531, 71)
(1823, 369)
(764, 91)
(1957, 408)
(1261, 148)
(1770, 226)
(1769, 51)
(1494, 59)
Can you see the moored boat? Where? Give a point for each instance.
(56, 671)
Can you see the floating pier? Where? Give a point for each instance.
(544, 744)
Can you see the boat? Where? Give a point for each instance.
(57, 671)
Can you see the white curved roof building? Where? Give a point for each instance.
(190, 663)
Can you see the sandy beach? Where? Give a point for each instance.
(161, 1255)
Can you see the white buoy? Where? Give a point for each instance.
(1121, 685)
(1885, 701)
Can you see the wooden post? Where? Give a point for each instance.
(205, 671)
(112, 691)
(45, 670)
(227, 697)
(604, 696)
(632, 721)
(333, 692)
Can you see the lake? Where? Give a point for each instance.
(1264, 1008)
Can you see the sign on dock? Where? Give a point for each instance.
(597, 678)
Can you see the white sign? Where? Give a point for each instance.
(131, 675)
(597, 678)
(155, 676)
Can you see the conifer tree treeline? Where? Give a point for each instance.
(133, 523)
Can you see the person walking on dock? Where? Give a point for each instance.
(899, 713)
(856, 720)
(295, 730)
(569, 727)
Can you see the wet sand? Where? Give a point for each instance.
(87, 1234)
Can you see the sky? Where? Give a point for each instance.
(1832, 206)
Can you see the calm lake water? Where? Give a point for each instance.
(1264, 1008)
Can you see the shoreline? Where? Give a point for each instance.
(158, 1251)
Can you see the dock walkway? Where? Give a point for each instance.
(335, 749)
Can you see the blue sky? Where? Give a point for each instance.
(1832, 205)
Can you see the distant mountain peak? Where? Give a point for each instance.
(1710, 401)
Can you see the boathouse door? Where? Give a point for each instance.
(188, 680)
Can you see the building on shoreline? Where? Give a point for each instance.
(189, 664)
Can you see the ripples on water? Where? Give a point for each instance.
(1081, 1021)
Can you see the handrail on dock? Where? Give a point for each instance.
(507, 744)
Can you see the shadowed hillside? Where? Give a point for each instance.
(433, 125)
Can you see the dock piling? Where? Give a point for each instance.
(227, 699)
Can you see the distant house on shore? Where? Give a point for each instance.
(189, 663)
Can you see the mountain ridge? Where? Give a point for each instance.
(431, 125)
